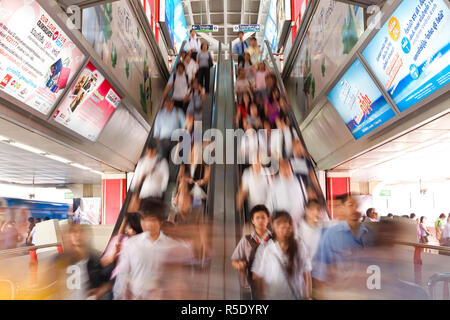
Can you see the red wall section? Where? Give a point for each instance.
(336, 187)
(113, 196)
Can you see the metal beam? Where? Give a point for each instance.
(208, 14)
(225, 20)
(243, 12)
(189, 7)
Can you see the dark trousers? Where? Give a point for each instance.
(181, 105)
(203, 77)
(165, 147)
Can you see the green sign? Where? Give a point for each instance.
(385, 193)
(68, 195)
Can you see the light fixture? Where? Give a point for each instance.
(26, 147)
(97, 172)
(57, 158)
(74, 164)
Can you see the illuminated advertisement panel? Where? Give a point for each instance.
(410, 54)
(89, 105)
(174, 22)
(359, 102)
(271, 28)
(37, 59)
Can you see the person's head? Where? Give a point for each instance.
(187, 58)
(283, 229)
(349, 208)
(205, 46)
(183, 54)
(132, 224)
(275, 94)
(46, 218)
(192, 33)
(31, 220)
(168, 104)
(76, 235)
(241, 35)
(260, 217)
(262, 67)
(442, 216)
(412, 216)
(152, 148)
(312, 212)
(152, 216)
(247, 58)
(241, 73)
(253, 42)
(423, 219)
(38, 220)
(181, 67)
(371, 213)
(390, 215)
(195, 84)
(285, 168)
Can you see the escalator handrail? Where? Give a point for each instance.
(124, 208)
(291, 114)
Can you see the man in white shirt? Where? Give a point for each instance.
(445, 239)
(310, 228)
(152, 173)
(180, 83)
(372, 215)
(193, 45)
(143, 257)
(255, 185)
(287, 193)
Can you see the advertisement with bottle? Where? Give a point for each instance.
(410, 54)
(37, 59)
(89, 105)
(359, 102)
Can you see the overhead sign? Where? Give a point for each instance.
(247, 28)
(410, 54)
(37, 59)
(385, 193)
(205, 28)
(90, 104)
(359, 102)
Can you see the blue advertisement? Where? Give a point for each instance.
(176, 22)
(410, 54)
(270, 29)
(359, 102)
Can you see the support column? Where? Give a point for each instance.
(336, 186)
(114, 189)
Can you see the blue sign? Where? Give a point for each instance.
(359, 102)
(205, 28)
(247, 27)
(410, 53)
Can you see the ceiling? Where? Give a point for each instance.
(225, 14)
(423, 153)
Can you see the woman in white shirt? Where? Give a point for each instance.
(283, 269)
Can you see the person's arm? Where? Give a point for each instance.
(204, 181)
(164, 167)
(167, 89)
(308, 285)
(157, 130)
(203, 94)
(123, 274)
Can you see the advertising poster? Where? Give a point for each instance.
(89, 105)
(112, 31)
(87, 211)
(176, 22)
(410, 54)
(270, 29)
(37, 59)
(334, 30)
(359, 102)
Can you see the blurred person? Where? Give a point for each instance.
(253, 118)
(143, 256)
(254, 51)
(38, 220)
(287, 193)
(197, 98)
(390, 215)
(79, 257)
(445, 239)
(240, 47)
(334, 261)
(412, 216)
(271, 106)
(311, 227)
(372, 215)
(249, 145)
(283, 137)
(193, 45)
(9, 236)
(424, 230)
(167, 121)
(242, 110)
(260, 80)
(31, 232)
(191, 67)
(180, 84)
(282, 269)
(151, 176)
(438, 225)
(183, 55)
(250, 71)
(204, 61)
(242, 85)
(245, 252)
(255, 185)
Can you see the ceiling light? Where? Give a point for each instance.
(97, 172)
(25, 147)
(57, 158)
(80, 166)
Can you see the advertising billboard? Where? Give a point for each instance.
(174, 22)
(37, 59)
(271, 27)
(89, 105)
(359, 102)
(410, 54)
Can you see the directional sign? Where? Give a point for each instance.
(205, 28)
(246, 27)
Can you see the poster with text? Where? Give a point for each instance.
(37, 59)
(410, 54)
(334, 30)
(359, 102)
(89, 105)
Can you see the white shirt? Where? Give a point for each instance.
(142, 261)
(156, 180)
(446, 231)
(194, 44)
(310, 236)
(267, 266)
(257, 185)
(286, 194)
(181, 86)
(191, 69)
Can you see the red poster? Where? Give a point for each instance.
(89, 105)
